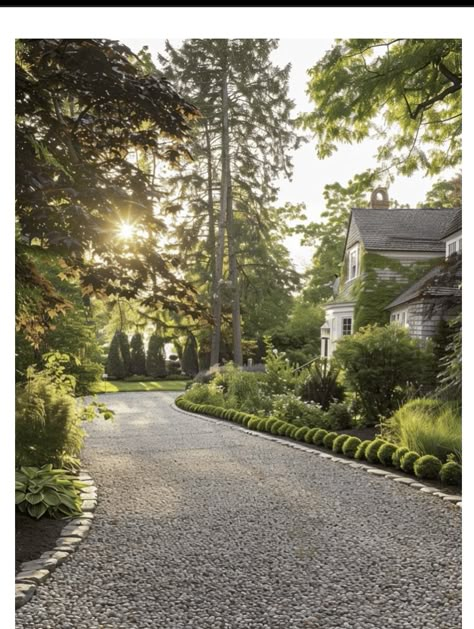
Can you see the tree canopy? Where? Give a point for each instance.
(405, 92)
(84, 108)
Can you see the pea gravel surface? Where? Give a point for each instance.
(201, 525)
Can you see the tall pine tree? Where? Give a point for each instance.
(243, 142)
(155, 359)
(137, 355)
(189, 360)
(115, 364)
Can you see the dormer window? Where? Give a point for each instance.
(353, 260)
(453, 245)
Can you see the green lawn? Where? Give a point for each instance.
(122, 386)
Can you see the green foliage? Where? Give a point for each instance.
(397, 457)
(319, 436)
(310, 434)
(329, 439)
(47, 491)
(372, 449)
(206, 394)
(243, 389)
(299, 336)
(338, 416)
(155, 358)
(414, 84)
(280, 376)
(321, 385)
(445, 194)
(115, 363)
(451, 473)
(408, 460)
(269, 423)
(47, 422)
(290, 407)
(360, 452)
(137, 355)
(372, 293)
(450, 376)
(379, 365)
(428, 426)
(427, 466)
(283, 428)
(253, 424)
(339, 442)
(189, 360)
(277, 425)
(73, 184)
(349, 447)
(291, 430)
(385, 454)
(328, 236)
(262, 424)
(300, 434)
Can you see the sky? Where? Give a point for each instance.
(310, 173)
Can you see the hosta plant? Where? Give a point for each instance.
(46, 491)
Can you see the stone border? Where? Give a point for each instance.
(455, 500)
(33, 573)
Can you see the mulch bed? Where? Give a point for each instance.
(34, 537)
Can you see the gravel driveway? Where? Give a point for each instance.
(201, 525)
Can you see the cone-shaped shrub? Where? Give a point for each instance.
(115, 364)
(338, 442)
(385, 453)
(408, 461)
(451, 473)
(310, 434)
(125, 350)
(189, 359)
(155, 359)
(350, 446)
(397, 457)
(319, 436)
(137, 355)
(372, 449)
(300, 434)
(427, 466)
(329, 439)
(360, 452)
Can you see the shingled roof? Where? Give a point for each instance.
(402, 229)
(435, 283)
(455, 225)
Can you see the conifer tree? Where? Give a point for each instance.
(155, 359)
(115, 364)
(189, 360)
(243, 144)
(137, 355)
(125, 350)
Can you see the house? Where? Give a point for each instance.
(389, 257)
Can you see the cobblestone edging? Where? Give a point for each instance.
(455, 500)
(33, 573)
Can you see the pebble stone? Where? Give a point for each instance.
(200, 526)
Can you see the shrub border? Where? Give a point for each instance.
(35, 572)
(216, 414)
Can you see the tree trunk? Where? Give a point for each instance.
(233, 274)
(217, 293)
(211, 236)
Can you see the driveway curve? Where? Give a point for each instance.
(200, 525)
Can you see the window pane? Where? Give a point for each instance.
(346, 326)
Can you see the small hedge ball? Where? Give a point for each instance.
(408, 461)
(262, 425)
(360, 452)
(300, 434)
(451, 473)
(283, 428)
(385, 453)
(310, 434)
(397, 456)
(349, 447)
(269, 423)
(427, 466)
(276, 427)
(319, 436)
(253, 423)
(289, 430)
(338, 442)
(372, 450)
(329, 439)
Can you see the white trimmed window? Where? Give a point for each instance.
(346, 326)
(353, 261)
(453, 246)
